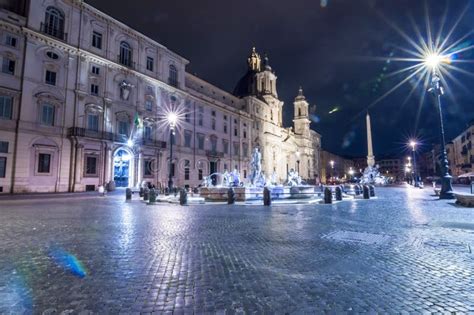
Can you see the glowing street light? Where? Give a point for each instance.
(130, 142)
(172, 119)
(413, 145)
(446, 179)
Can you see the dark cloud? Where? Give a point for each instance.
(316, 46)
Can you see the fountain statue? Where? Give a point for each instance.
(257, 178)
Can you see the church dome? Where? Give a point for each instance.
(245, 85)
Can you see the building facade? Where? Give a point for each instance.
(84, 100)
(335, 168)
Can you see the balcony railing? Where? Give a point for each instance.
(130, 64)
(104, 135)
(213, 153)
(53, 31)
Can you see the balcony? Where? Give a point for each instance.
(53, 31)
(214, 154)
(104, 135)
(130, 64)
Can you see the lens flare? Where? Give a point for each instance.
(68, 262)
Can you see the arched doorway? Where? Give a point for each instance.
(123, 166)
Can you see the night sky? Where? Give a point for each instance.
(326, 46)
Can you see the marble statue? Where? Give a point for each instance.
(254, 60)
(234, 178)
(256, 167)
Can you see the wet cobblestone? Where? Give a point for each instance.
(236, 259)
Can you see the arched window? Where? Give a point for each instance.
(54, 23)
(125, 56)
(173, 76)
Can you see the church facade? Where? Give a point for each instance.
(84, 101)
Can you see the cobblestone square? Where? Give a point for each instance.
(402, 252)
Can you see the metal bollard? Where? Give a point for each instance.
(366, 192)
(267, 197)
(357, 190)
(146, 194)
(327, 195)
(338, 193)
(128, 194)
(183, 197)
(372, 190)
(140, 192)
(152, 196)
(230, 196)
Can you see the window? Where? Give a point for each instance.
(44, 163)
(187, 115)
(213, 124)
(186, 169)
(123, 127)
(245, 133)
(8, 66)
(245, 173)
(225, 117)
(236, 132)
(225, 128)
(213, 113)
(10, 41)
(97, 40)
(94, 89)
(173, 76)
(245, 149)
(93, 122)
(187, 138)
(149, 63)
(225, 146)
(3, 146)
(148, 167)
(236, 148)
(6, 107)
(54, 23)
(148, 132)
(91, 165)
(213, 144)
(148, 105)
(200, 141)
(199, 174)
(95, 70)
(125, 56)
(52, 55)
(50, 77)
(3, 166)
(47, 115)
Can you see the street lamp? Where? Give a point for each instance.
(332, 168)
(433, 61)
(351, 173)
(415, 174)
(172, 120)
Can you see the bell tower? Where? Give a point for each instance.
(301, 117)
(266, 80)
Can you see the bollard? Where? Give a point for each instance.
(230, 196)
(183, 197)
(357, 190)
(366, 192)
(327, 195)
(140, 192)
(146, 194)
(267, 197)
(101, 191)
(338, 193)
(152, 196)
(128, 194)
(372, 190)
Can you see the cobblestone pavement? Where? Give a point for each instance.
(404, 251)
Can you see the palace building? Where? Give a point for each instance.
(83, 102)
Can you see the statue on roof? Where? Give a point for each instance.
(254, 61)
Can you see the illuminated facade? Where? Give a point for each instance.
(82, 100)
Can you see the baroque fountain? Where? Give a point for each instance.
(294, 187)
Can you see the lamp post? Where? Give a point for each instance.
(415, 173)
(351, 173)
(172, 119)
(332, 168)
(437, 90)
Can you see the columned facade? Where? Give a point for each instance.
(84, 100)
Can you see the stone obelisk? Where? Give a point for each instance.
(370, 151)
